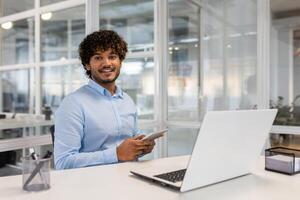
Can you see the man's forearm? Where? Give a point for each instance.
(69, 160)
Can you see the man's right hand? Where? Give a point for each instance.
(131, 148)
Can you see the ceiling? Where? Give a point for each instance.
(277, 6)
(284, 5)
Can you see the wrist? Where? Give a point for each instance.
(119, 155)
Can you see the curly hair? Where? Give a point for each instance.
(101, 40)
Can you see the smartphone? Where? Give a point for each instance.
(155, 135)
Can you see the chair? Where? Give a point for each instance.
(52, 128)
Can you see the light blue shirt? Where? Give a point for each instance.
(89, 125)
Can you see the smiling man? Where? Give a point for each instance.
(97, 124)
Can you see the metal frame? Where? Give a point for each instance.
(161, 70)
(263, 53)
(263, 56)
(92, 16)
(37, 33)
(16, 67)
(291, 67)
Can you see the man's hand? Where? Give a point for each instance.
(150, 145)
(131, 148)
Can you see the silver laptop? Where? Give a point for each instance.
(227, 146)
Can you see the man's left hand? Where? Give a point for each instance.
(150, 146)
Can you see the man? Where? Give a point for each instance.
(97, 124)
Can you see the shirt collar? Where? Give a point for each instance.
(103, 91)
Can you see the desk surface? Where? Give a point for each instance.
(23, 123)
(115, 182)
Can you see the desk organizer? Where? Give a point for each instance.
(282, 160)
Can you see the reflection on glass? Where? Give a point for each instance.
(296, 101)
(137, 80)
(59, 81)
(16, 88)
(181, 141)
(9, 7)
(229, 55)
(184, 60)
(229, 71)
(227, 78)
(285, 64)
(132, 19)
(17, 42)
(240, 47)
(62, 33)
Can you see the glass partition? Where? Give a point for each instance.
(59, 81)
(16, 90)
(9, 7)
(225, 77)
(137, 80)
(132, 19)
(61, 33)
(285, 62)
(17, 42)
(184, 60)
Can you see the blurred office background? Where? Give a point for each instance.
(186, 57)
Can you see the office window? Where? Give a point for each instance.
(17, 42)
(184, 60)
(62, 33)
(137, 79)
(285, 62)
(16, 91)
(226, 76)
(9, 7)
(229, 56)
(132, 19)
(212, 63)
(59, 81)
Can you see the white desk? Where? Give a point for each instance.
(23, 123)
(25, 141)
(115, 182)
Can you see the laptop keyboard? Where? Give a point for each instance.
(174, 176)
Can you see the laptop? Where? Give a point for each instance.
(228, 146)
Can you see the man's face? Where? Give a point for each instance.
(105, 66)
